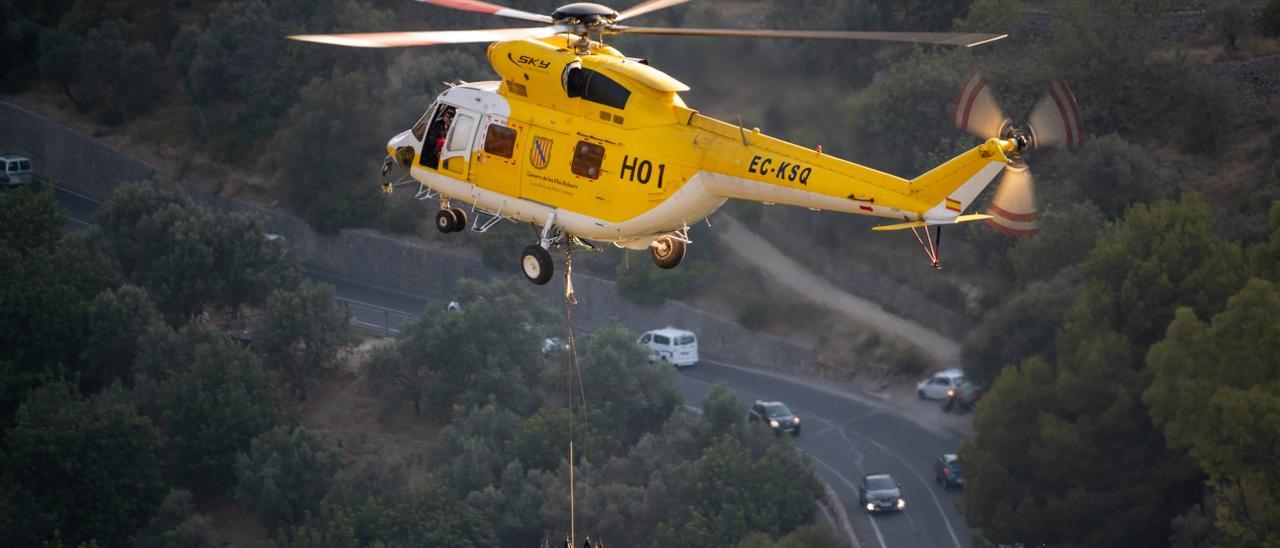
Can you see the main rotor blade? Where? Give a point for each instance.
(490, 9)
(942, 38)
(648, 6)
(427, 38)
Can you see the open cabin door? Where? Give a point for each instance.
(455, 149)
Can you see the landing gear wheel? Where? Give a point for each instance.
(535, 262)
(461, 215)
(667, 251)
(446, 221)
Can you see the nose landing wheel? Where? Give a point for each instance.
(667, 251)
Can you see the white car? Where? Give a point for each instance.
(936, 387)
(15, 170)
(670, 345)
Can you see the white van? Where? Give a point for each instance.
(670, 345)
(15, 170)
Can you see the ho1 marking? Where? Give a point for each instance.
(641, 171)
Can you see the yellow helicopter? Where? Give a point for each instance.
(589, 145)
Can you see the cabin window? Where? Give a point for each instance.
(461, 136)
(587, 158)
(595, 87)
(500, 140)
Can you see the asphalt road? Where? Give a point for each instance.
(846, 436)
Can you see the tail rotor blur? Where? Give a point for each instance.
(1053, 123)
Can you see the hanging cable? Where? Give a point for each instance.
(572, 376)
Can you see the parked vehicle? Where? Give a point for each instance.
(775, 414)
(670, 345)
(15, 170)
(936, 387)
(961, 399)
(946, 470)
(880, 493)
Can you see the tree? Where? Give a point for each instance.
(489, 352)
(30, 220)
(1156, 260)
(333, 114)
(117, 320)
(635, 396)
(430, 516)
(722, 410)
(212, 411)
(1264, 257)
(176, 525)
(45, 298)
(1024, 325)
(303, 332)
(1109, 172)
(286, 473)
(188, 257)
(738, 491)
(1066, 237)
(1214, 393)
(477, 446)
(86, 470)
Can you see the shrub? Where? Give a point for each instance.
(752, 312)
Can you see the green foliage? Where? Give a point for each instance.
(737, 490)
(543, 440)
(1110, 173)
(29, 219)
(81, 468)
(490, 351)
(212, 411)
(333, 115)
(643, 282)
(902, 123)
(635, 396)
(404, 216)
(500, 248)
(991, 16)
(188, 257)
(909, 361)
(176, 524)
(752, 311)
(430, 516)
(1264, 257)
(1269, 22)
(476, 446)
(285, 474)
(1214, 394)
(102, 68)
(1024, 325)
(117, 320)
(512, 504)
(46, 296)
(1155, 260)
(1066, 237)
(808, 536)
(302, 333)
(722, 410)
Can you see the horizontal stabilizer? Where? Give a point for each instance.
(918, 224)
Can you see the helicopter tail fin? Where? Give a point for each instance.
(953, 186)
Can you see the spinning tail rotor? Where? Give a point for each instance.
(1053, 123)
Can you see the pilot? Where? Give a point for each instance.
(445, 121)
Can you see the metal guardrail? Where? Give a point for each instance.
(374, 318)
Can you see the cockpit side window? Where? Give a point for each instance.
(441, 120)
(420, 128)
(595, 87)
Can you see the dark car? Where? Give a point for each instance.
(777, 415)
(879, 493)
(946, 470)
